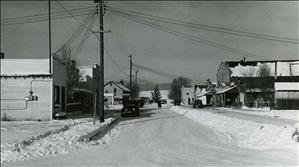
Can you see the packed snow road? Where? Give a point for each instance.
(164, 138)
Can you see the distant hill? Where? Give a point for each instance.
(146, 85)
(149, 85)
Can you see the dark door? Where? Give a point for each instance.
(62, 98)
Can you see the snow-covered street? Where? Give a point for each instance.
(174, 137)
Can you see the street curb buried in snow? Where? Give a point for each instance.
(100, 132)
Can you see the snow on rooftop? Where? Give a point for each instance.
(122, 86)
(283, 69)
(14, 67)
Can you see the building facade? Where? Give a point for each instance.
(117, 90)
(88, 88)
(204, 93)
(251, 83)
(24, 78)
(187, 95)
(286, 95)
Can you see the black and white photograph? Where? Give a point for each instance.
(149, 83)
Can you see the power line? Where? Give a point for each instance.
(72, 15)
(88, 28)
(208, 27)
(44, 19)
(114, 62)
(85, 37)
(155, 71)
(79, 30)
(45, 14)
(78, 20)
(188, 36)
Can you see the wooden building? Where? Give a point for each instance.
(251, 83)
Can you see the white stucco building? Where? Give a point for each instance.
(187, 95)
(20, 77)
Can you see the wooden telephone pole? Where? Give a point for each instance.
(136, 78)
(101, 85)
(131, 64)
(136, 85)
(50, 54)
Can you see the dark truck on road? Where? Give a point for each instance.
(197, 104)
(130, 107)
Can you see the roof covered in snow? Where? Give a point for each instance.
(121, 86)
(24, 67)
(226, 89)
(252, 68)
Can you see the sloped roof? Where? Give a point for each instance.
(121, 86)
(203, 93)
(223, 90)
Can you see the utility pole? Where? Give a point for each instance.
(101, 85)
(131, 64)
(102, 117)
(50, 55)
(136, 85)
(136, 77)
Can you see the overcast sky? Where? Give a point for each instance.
(154, 48)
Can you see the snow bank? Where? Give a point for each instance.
(286, 114)
(57, 143)
(244, 133)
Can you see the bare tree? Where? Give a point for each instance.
(264, 70)
(175, 90)
(248, 72)
(64, 53)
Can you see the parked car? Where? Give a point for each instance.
(177, 102)
(141, 102)
(60, 115)
(197, 104)
(163, 101)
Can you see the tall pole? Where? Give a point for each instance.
(131, 64)
(136, 77)
(136, 85)
(101, 91)
(50, 55)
